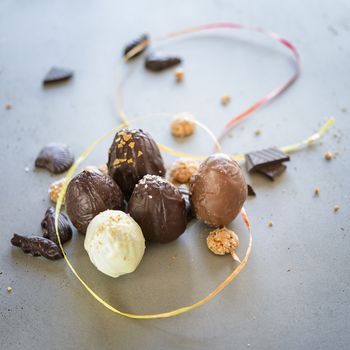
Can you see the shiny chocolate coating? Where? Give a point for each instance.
(157, 206)
(132, 155)
(218, 190)
(89, 193)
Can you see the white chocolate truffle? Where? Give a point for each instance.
(114, 242)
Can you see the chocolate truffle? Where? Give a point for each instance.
(157, 206)
(114, 242)
(89, 193)
(132, 155)
(218, 190)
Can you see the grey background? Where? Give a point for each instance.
(294, 292)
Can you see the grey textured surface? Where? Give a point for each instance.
(294, 292)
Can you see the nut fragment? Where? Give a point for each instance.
(336, 207)
(55, 189)
(226, 99)
(270, 223)
(8, 106)
(182, 170)
(223, 241)
(9, 289)
(328, 155)
(183, 125)
(179, 75)
(257, 132)
(317, 191)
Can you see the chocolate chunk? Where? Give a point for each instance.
(157, 62)
(132, 155)
(88, 194)
(157, 206)
(251, 191)
(265, 157)
(141, 40)
(57, 74)
(218, 190)
(272, 171)
(37, 246)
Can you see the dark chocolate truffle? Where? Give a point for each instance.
(218, 190)
(132, 155)
(157, 206)
(89, 193)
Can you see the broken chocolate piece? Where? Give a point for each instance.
(272, 171)
(251, 191)
(37, 246)
(259, 159)
(57, 74)
(157, 62)
(142, 40)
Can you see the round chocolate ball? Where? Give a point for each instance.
(157, 206)
(218, 190)
(132, 155)
(89, 193)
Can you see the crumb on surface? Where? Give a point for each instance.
(270, 223)
(328, 155)
(179, 75)
(336, 207)
(8, 106)
(9, 289)
(317, 191)
(182, 125)
(226, 99)
(257, 132)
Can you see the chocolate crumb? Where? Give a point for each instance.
(251, 191)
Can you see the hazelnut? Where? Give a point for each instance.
(182, 125)
(55, 189)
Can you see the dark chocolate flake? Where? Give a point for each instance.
(142, 40)
(157, 62)
(251, 191)
(56, 74)
(265, 157)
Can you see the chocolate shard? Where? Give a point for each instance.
(272, 171)
(251, 191)
(141, 40)
(265, 157)
(56, 74)
(157, 62)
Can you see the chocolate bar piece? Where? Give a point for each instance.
(251, 191)
(57, 74)
(272, 171)
(259, 159)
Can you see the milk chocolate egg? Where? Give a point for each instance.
(132, 155)
(218, 190)
(157, 206)
(89, 193)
